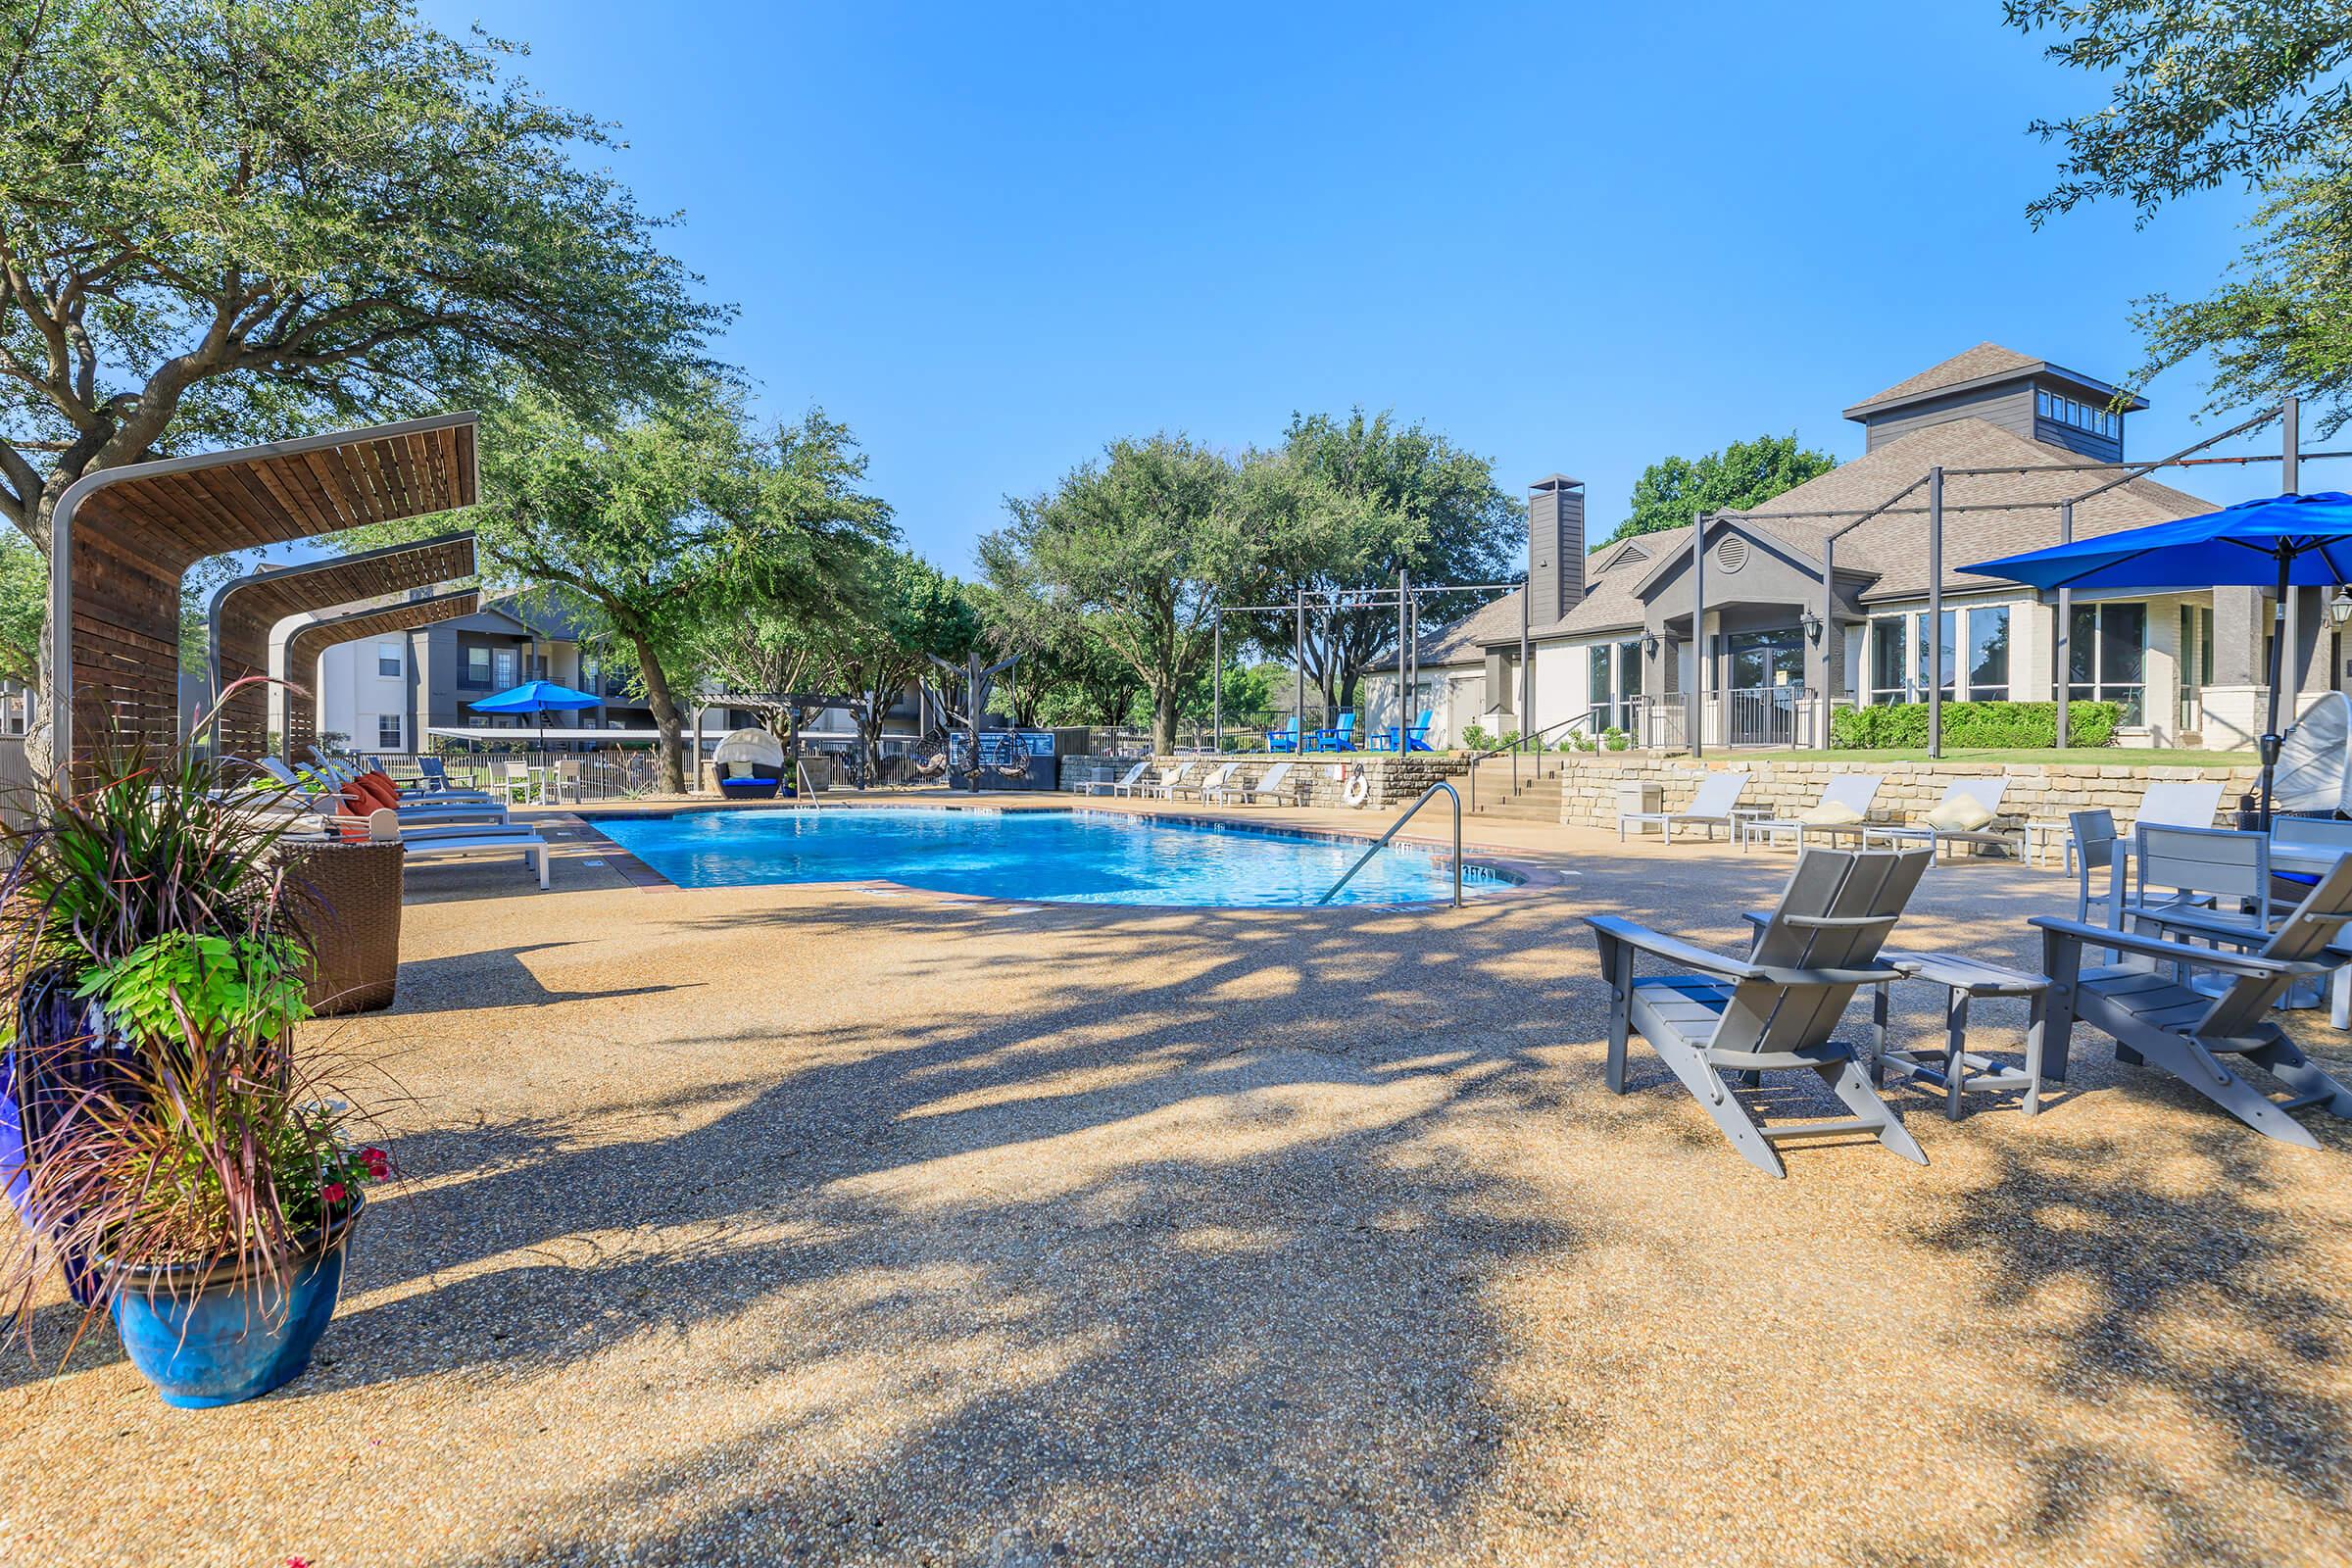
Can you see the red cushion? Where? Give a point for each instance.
(379, 789)
(351, 809)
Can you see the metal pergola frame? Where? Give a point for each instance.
(1406, 596)
(2290, 454)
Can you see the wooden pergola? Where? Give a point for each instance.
(122, 539)
(316, 637)
(246, 609)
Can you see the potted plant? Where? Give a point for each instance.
(161, 1136)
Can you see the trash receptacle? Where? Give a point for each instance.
(1636, 796)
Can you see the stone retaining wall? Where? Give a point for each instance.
(1323, 778)
(2037, 791)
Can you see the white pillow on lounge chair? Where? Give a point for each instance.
(1829, 813)
(1961, 813)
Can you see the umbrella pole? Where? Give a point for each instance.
(2269, 736)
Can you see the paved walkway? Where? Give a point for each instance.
(865, 1226)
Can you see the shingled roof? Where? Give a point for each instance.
(1986, 362)
(1893, 548)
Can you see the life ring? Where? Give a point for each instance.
(1359, 788)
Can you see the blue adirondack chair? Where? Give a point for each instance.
(1339, 738)
(1285, 739)
(1416, 736)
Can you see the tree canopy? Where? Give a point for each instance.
(1744, 473)
(1344, 505)
(2200, 92)
(231, 221)
(663, 521)
(1141, 545)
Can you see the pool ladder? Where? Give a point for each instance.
(1381, 843)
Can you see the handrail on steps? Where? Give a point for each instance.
(1520, 742)
(1381, 843)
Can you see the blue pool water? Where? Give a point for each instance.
(1061, 856)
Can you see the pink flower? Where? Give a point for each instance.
(298, 1562)
(332, 1193)
(379, 1163)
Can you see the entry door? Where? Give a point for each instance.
(1765, 682)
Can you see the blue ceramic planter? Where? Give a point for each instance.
(213, 1346)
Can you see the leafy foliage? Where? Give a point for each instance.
(1744, 473)
(1991, 725)
(1140, 545)
(23, 608)
(2200, 92)
(1342, 505)
(167, 1119)
(665, 522)
(227, 221)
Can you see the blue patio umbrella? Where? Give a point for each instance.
(2283, 542)
(536, 696)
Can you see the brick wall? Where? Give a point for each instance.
(2038, 792)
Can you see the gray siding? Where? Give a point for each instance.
(2011, 407)
(1555, 548)
(2099, 448)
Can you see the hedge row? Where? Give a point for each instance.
(1987, 724)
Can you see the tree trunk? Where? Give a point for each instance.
(666, 720)
(1163, 720)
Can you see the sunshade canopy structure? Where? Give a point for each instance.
(2286, 541)
(246, 609)
(313, 638)
(123, 538)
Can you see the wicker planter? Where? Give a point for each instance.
(343, 902)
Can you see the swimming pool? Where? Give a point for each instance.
(1050, 856)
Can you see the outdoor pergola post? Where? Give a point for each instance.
(123, 538)
(1936, 613)
(1698, 634)
(2063, 652)
(1216, 679)
(313, 638)
(2290, 475)
(1403, 708)
(1526, 668)
(1299, 668)
(245, 610)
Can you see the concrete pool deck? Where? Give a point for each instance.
(861, 1225)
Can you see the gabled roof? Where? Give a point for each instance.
(1986, 365)
(1896, 547)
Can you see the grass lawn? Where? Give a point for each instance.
(2102, 756)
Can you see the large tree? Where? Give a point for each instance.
(1342, 505)
(1744, 473)
(1143, 544)
(662, 521)
(907, 614)
(2201, 94)
(231, 221)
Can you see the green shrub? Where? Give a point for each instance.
(2001, 725)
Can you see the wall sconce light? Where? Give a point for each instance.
(2339, 609)
(1812, 624)
(1649, 645)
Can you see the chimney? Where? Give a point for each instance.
(1555, 546)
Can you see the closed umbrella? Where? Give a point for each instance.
(539, 698)
(2281, 543)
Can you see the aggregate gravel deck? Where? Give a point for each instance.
(861, 1225)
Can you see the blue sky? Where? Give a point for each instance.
(992, 238)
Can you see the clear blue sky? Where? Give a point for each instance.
(992, 238)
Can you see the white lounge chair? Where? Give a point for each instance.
(1121, 785)
(384, 827)
(1845, 803)
(1710, 808)
(328, 785)
(1170, 782)
(1275, 785)
(1213, 784)
(1980, 792)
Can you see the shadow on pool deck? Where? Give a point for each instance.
(1256, 1235)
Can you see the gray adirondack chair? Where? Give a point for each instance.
(2159, 1021)
(1776, 1009)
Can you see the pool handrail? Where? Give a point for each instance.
(1381, 843)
